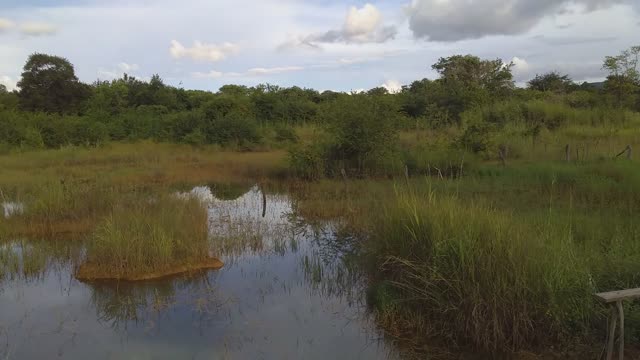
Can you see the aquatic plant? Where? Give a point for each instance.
(149, 238)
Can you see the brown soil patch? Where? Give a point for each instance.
(89, 271)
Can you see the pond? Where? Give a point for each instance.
(284, 293)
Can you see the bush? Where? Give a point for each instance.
(234, 130)
(361, 137)
(307, 162)
(285, 134)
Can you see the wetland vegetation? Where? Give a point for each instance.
(473, 216)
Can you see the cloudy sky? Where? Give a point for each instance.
(323, 44)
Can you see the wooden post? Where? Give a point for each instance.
(502, 153)
(612, 333)
(621, 316)
(567, 153)
(614, 300)
(264, 201)
(627, 150)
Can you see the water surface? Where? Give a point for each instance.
(284, 293)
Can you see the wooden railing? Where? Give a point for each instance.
(614, 299)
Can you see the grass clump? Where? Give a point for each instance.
(493, 280)
(149, 238)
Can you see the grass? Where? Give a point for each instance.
(498, 259)
(142, 163)
(149, 238)
(497, 279)
(67, 192)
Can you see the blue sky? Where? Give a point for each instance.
(323, 44)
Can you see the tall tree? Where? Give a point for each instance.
(49, 84)
(552, 81)
(623, 82)
(468, 81)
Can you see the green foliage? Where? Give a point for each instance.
(308, 162)
(285, 134)
(551, 81)
(49, 84)
(362, 131)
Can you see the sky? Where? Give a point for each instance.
(320, 44)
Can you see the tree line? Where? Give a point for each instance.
(52, 108)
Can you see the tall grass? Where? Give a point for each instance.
(491, 279)
(153, 235)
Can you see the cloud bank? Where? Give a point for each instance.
(454, 20)
(202, 52)
(361, 26)
(5, 24)
(37, 29)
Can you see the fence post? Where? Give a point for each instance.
(567, 153)
(502, 153)
(626, 150)
(264, 201)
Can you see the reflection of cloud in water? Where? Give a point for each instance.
(12, 208)
(286, 294)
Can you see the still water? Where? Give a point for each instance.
(284, 293)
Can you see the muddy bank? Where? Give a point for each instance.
(90, 271)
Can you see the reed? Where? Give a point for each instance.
(149, 238)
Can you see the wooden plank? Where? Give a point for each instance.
(613, 296)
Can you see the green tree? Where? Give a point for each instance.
(469, 81)
(552, 81)
(623, 82)
(362, 132)
(49, 84)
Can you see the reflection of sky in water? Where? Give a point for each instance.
(262, 305)
(12, 208)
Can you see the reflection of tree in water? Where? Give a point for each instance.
(230, 191)
(29, 260)
(122, 303)
(328, 262)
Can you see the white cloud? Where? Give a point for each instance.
(104, 74)
(251, 72)
(520, 66)
(38, 29)
(127, 68)
(274, 70)
(208, 75)
(8, 82)
(202, 52)
(360, 23)
(5, 24)
(120, 69)
(361, 26)
(524, 71)
(392, 86)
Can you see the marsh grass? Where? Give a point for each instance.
(151, 236)
(493, 279)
